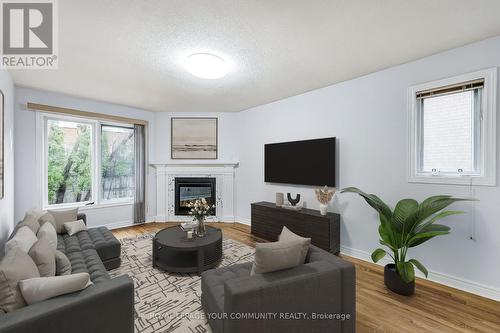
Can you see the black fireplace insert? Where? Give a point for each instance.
(190, 189)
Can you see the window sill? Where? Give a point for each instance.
(452, 180)
(92, 207)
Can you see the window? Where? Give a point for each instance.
(69, 162)
(452, 130)
(86, 161)
(117, 162)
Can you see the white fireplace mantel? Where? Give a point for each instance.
(189, 163)
(166, 172)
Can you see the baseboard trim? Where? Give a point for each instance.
(243, 220)
(441, 278)
(120, 224)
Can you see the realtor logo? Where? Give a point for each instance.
(29, 34)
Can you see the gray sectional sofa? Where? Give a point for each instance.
(105, 307)
(323, 287)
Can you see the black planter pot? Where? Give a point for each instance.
(395, 283)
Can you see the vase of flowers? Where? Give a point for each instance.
(324, 195)
(200, 209)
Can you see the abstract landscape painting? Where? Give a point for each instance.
(194, 138)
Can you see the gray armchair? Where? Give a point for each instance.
(318, 296)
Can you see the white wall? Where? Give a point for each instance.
(227, 127)
(368, 116)
(27, 192)
(7, 203)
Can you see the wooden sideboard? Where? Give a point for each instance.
(324, 230)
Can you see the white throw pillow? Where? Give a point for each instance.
(63, 265)
(286, 234)
(15, 266)
(39, 289)
(31, 221)
(63, 216)
(38, 213)
(270, 257)
(74, 227)
(48, 232)
(23, 239)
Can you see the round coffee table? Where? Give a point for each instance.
(173, 252)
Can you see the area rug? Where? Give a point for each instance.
(169, 302)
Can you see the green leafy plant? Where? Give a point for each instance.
(409, 225)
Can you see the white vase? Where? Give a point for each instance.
(323, 208)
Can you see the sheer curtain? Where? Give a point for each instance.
(140, 174)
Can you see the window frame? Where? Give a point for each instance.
(42, 151)
(485, 143)
(114, 201)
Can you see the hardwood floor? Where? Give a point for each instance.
(434, 308)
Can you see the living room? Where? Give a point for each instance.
(241, 166)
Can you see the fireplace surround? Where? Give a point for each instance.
(167, 172)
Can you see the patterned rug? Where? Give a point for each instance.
(169, 302)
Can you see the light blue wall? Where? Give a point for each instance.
(368, 115)
(7, 203)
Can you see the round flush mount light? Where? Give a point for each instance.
(206, 66)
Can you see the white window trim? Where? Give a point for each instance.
(488, 154)
(42, 174)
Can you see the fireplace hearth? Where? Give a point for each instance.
(188, 189)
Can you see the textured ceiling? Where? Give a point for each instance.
(132, 52)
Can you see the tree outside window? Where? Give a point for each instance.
(69, 162)
(117, 162)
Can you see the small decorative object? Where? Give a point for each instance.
(190, 234)
(288, 206)
(186, 226)
(200, 209)
(413, 223)
(279, 199)
(324, 195)
(193, 138)
(293, 201)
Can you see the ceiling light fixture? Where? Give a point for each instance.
(206, 66)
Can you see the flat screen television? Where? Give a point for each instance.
(309, 162)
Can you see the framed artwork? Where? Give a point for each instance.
(193, 138)
(2, 168)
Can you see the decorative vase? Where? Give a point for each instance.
(279, 199)
(395, 283)
(200, 229)
(323, 208)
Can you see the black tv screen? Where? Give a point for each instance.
(309, 162)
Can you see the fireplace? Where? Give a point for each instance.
(190, 189)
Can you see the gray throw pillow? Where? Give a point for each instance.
(286, 234)
(23, 239)
(15, 266)
(63, 265)
(62, 216)
(48, 232)
(43, 255)
(74, 227)
(31, 221)
(270, 257)
(39, 289)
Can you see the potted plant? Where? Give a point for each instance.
(409, 225)
(200, 209)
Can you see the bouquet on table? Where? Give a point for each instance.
(200, 209)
